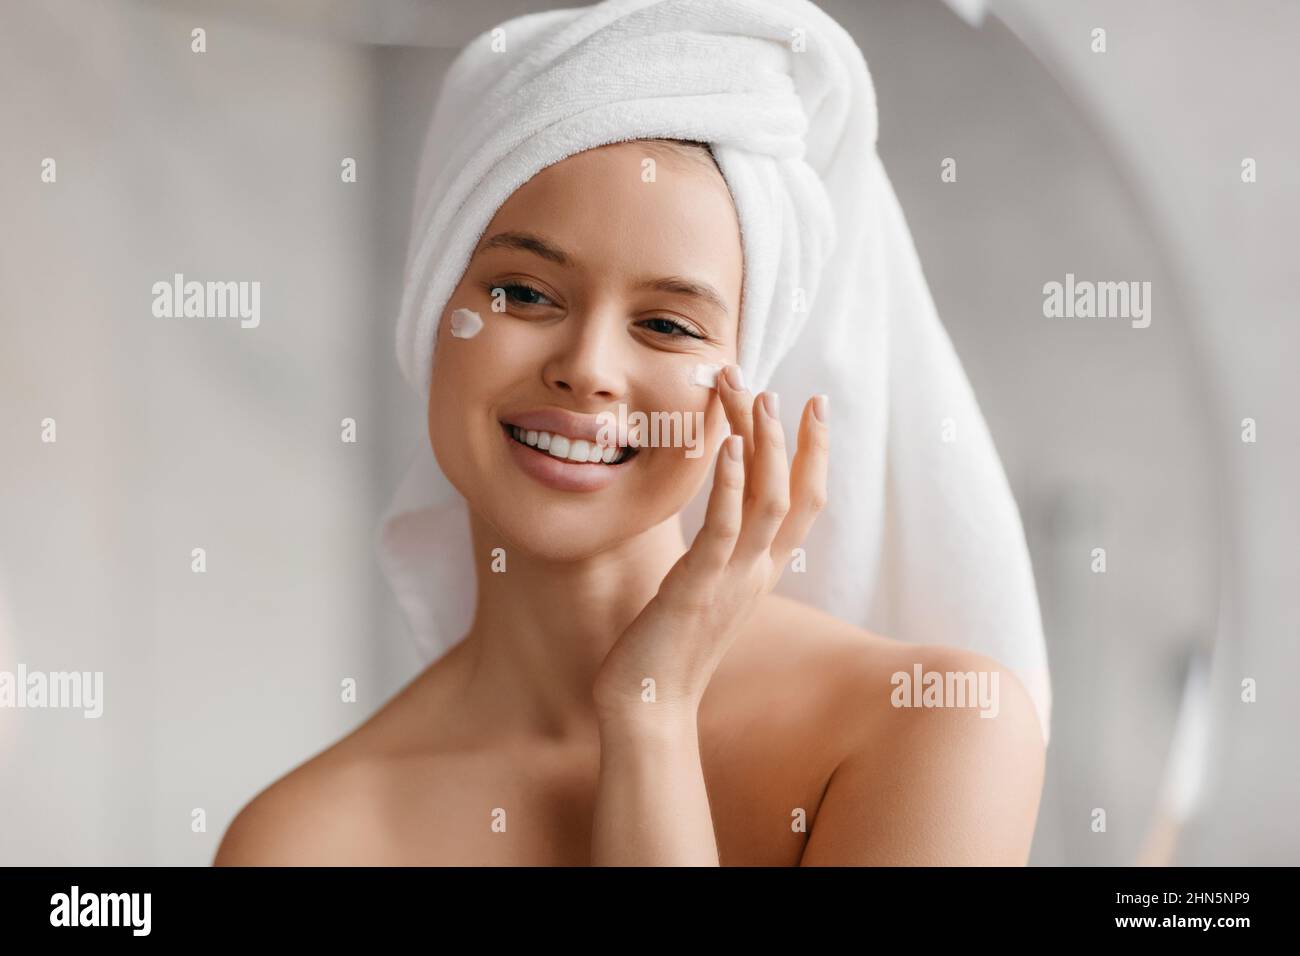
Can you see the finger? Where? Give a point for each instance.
(716, 538)
(767, 482)
(737, 403)
(807, 480)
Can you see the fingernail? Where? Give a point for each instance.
(772, 404)
(733, 446)
(821, 408)
(735, 378)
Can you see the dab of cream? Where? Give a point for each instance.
(465, 324)
(705, 376)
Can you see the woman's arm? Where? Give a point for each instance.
(652, 808)
(651, 803)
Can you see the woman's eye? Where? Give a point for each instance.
(670, 327)
(524, 294)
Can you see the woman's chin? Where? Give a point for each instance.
(565, 534)
(570, 544)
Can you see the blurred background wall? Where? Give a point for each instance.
(174, 434)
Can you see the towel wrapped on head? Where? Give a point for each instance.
(920, 540)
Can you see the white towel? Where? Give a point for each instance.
(921, 540)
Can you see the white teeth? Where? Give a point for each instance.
(570, 449)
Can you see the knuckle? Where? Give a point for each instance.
(816, 500)
(679, 578)
(689, 589)
(696, 601)
(727, 530)
(775, 507)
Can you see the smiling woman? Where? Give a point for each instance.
(615, 694)
(597, 685)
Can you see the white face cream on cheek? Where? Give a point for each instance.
(465, 324)
(705, 376)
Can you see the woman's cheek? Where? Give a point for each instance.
(452, 396)
(686, 465)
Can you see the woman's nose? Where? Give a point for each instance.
(589, 360)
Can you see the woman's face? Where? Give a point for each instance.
(596, 290)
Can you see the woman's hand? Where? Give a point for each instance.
(760, 509)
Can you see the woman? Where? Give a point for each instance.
(621, 696)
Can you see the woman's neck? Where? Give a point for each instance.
(542, 628)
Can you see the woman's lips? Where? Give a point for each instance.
(562, 474)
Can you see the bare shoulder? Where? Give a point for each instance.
(882, 680)
(939, 750)
(318, 814)
(340, 807)
(332, 809)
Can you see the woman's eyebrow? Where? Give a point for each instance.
(680, 286)
(528, 242)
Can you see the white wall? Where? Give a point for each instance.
(183, 433)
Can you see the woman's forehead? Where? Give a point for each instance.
(604, 210)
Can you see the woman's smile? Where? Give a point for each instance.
(562, 450)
